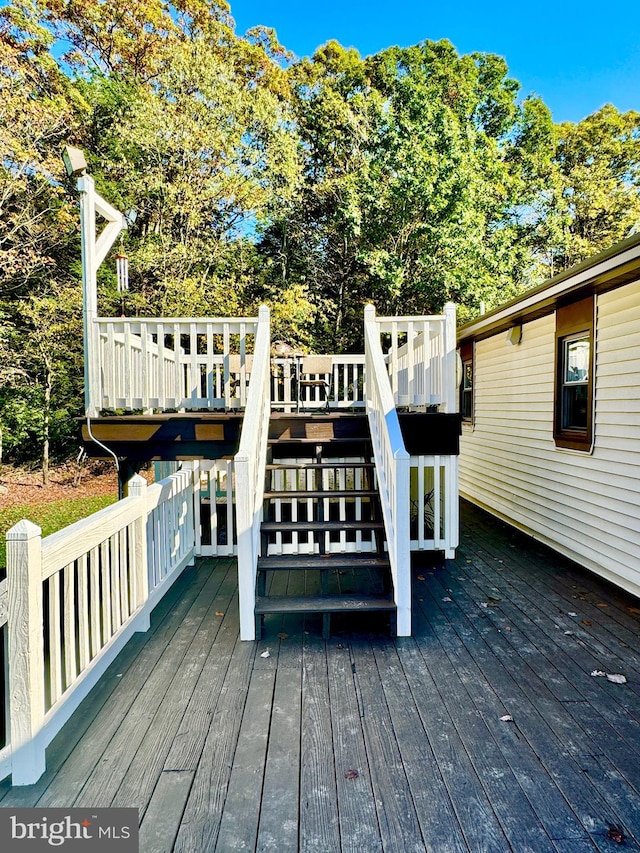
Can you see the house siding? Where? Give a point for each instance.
(585, 505)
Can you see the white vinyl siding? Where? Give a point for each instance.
(586, 506)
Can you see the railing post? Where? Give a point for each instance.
(138, 489)
(246, 561)
(26, 651)
(403, 543)
(449, 386)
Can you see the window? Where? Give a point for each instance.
(466, 385)
(574, 376)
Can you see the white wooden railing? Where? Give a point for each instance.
(147, 364)
(434, 511)
(392, 467)
(421, 359)
(250, 462)
(71, 601)
(346, 384)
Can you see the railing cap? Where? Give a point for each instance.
(23, 531)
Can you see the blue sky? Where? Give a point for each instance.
(576, 56)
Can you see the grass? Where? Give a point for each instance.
(50, 517)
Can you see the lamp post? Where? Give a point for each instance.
(93, 251)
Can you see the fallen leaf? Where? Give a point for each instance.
(616, 678)
(484, 605)
(506, 718)
(507, 627)
(494, 597)
(219, 612)
(266, 654)
(351, 774)
(615, 834)
(569, 633)
(571, 613)
(602, 604)
(283, 636)
(635, 610)
(587, 622)
(598, 673)
(420, 577)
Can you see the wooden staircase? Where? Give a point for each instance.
(322, 521)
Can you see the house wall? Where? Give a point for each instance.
(584, 505)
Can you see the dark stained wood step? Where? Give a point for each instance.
(319, 526)
(319, 440)
(312, 494)
(303, 466)
(322, 562)
(323, 604)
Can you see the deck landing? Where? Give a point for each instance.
(365, 743)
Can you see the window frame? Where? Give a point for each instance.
(574, 321)
(467, 360)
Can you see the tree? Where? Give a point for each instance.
(591, 199)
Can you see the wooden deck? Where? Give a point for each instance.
(364, 743)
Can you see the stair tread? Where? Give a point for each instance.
(344, 560)
(322, 603)
(347, 439)
(302, 466)
(319, 493)
(320, 526)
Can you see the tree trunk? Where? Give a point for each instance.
(48, 382)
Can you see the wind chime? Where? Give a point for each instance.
(122, 273)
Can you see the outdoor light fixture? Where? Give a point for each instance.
(74, 161)
(514, 335)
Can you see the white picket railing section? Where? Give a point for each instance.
(71, 601)
(250, 463)
(392, 467)
(421, 359)
(200, 363)
(434, 511)
(346, 383)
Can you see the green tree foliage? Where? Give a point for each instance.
(408, 178)
(591, 198)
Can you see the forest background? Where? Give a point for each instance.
(407, 179)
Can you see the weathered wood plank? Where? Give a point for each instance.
(203, 813)
(356, 804)
(479, 737)
(543, 720)
(109, 772)
(278, 828)
(397, 819)
(162, 819)
(436, 815)
(190, 738)
(80, 765)
(319, 822)
(479, 823)
(239, 824)
(147, 765)
(482, 680)
(137, 657)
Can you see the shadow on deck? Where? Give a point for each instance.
(365, 743)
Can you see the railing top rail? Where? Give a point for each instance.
(413, 318)
(179, 320)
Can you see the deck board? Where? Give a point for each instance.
(366, 743)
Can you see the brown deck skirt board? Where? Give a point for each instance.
(365, 743)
